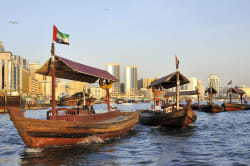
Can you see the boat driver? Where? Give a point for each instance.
(89, 106)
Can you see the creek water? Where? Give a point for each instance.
(215, 139)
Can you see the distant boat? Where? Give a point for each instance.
(119, 101)
(173, 115)
(235, 106)
(147, 100)
(210, 106)
(72, 100)
(64, 126)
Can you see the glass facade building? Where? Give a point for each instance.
(114, 69)
(130, 80)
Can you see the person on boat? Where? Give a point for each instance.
(89, 106)
(158, 106)
(245, 99)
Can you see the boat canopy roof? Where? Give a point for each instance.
(211, 90)
(169, 94)
(237, 91)
(169, 81)
(67, 69)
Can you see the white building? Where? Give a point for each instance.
(213, 81)
(193, 84)
(14, 72)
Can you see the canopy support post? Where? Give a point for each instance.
(230, 96)
(53, 79)
(107, 99)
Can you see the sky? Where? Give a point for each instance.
(208, 36)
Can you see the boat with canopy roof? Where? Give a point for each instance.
(235, 106)
(210, 106)
(172, 115)
(64, 126)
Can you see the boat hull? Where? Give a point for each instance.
(181, 118)
(211, 108)
(38, 133)
(235, 106)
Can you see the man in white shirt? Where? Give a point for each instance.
(158, 106)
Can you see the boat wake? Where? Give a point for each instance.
(33, 150)
(92, 139)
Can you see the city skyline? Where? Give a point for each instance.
(142, 33)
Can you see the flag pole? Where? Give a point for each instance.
(177, 89)
(177, 84)
(53, 78)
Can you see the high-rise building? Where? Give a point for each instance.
(213, 81)
(39, 84)
(1, 47)
(114, 69)
(143, 84)
(200, 89)
(130, 80)
(193, 84)
(14, 73)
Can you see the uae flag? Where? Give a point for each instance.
(177, 62)
(60, 37)
(230, 82)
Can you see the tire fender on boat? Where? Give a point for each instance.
(107, 84)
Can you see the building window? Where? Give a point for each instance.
(3, 74)
(24, 62)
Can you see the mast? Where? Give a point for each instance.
(177, 89)
(107, 99)
(230, 95)
(53, 79)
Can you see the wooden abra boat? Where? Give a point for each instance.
(70, 128)
(235, 106)
(173, 115)
(182, 118)
(210, 106)
(65, 126)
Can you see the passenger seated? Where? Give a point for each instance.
(157, 106)
(89, 106)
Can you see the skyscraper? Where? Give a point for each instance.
(213, 81)
(114, 69)
(130, 80)
(193, 84)
(1, 47)
(200, 89)
(14, 72)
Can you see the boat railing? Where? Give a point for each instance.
(68, 114)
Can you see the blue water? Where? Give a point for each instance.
(215, 139)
